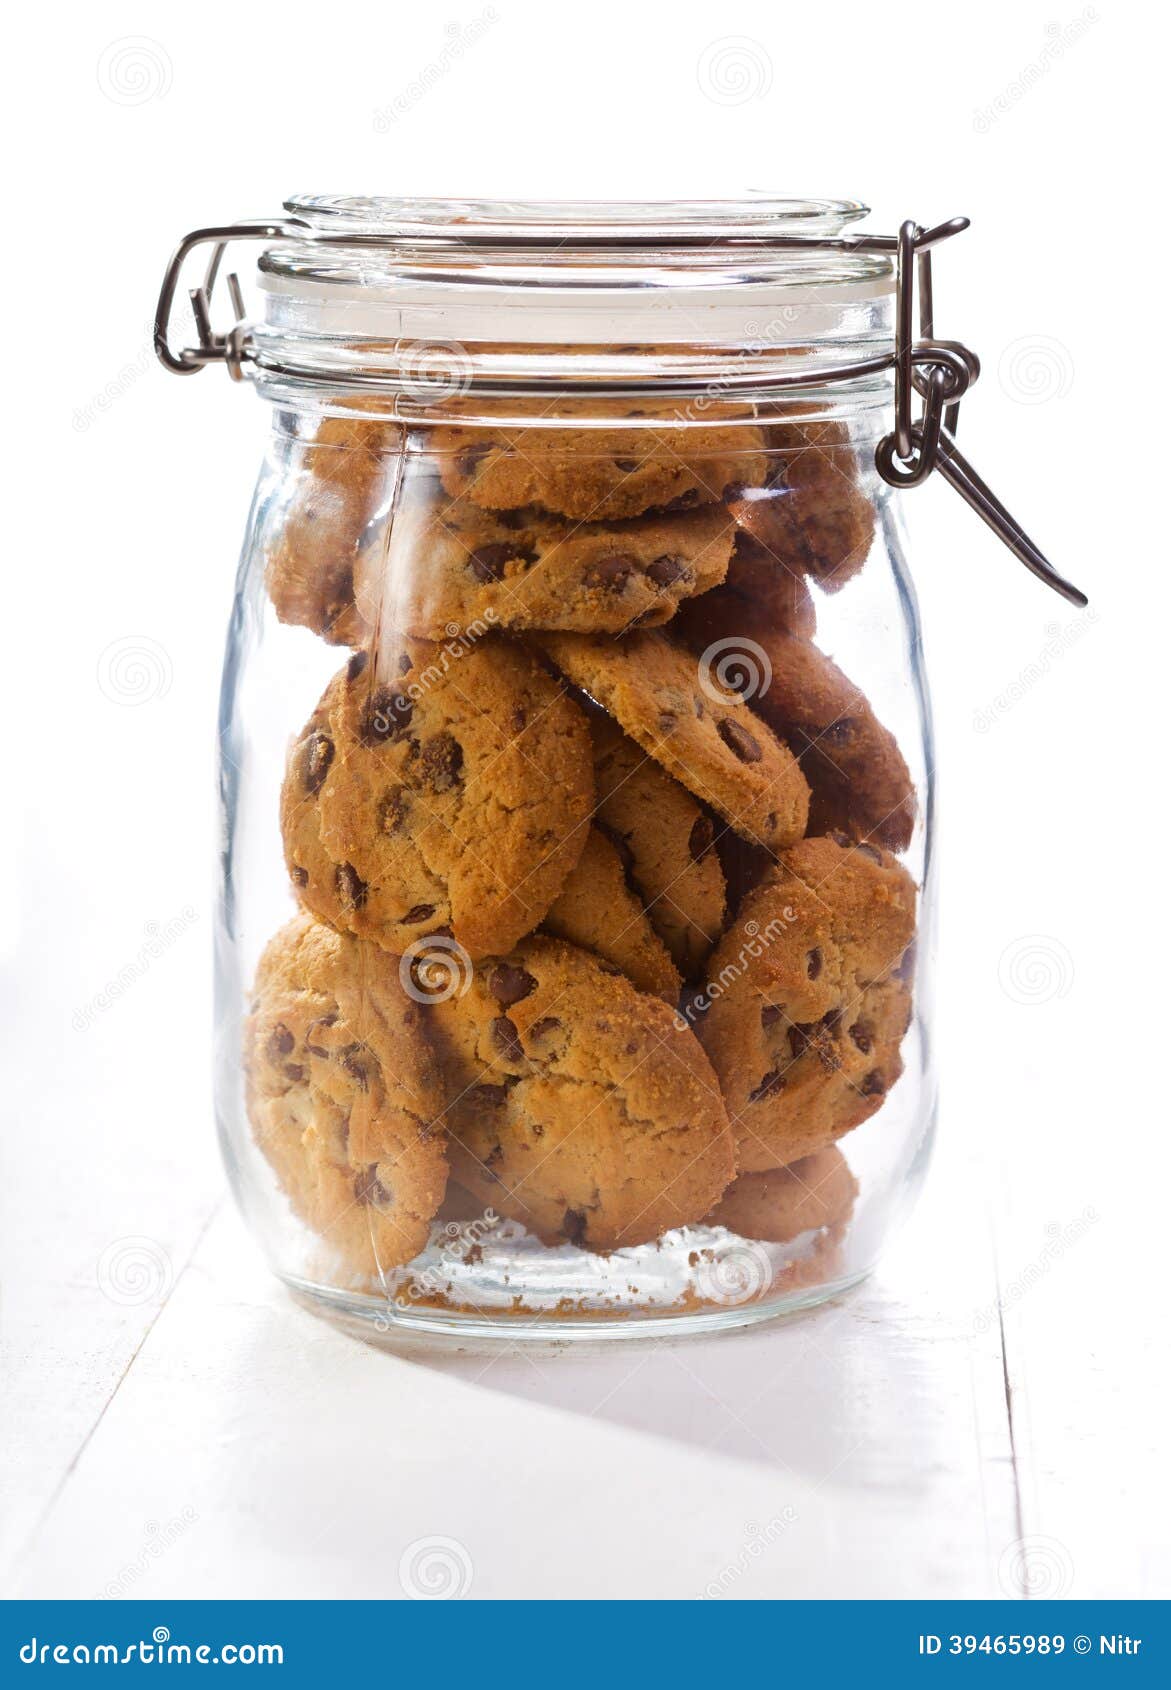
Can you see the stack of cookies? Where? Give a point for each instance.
(602, 924)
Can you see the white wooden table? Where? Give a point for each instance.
(928, 1435)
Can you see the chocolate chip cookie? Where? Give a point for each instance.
(438, 789)
(600, 473)
(702, 733)
(345, 1094)
(324, 541)
(759, 589)
(813, 515)
(597, 910)
(667, 841)
(779, 1204)
(859, 779)
(453, 565)
(582, 1107)
(807, 1013)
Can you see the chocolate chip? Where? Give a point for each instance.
(280, 1042)
(701, 837)
(368, 1188)
(469, 460)
(838, 733)
(507, 1038)
(626, 465)
(356, 1066)
(351, 888)
(490, 1096)
(318, 756)
(840, 838)
(666, 569)
(487, 562)
(612, 573)
(770, 1014)
(873, 1084)
(813, 963)
(541, 1029)
(295, 1073)
(392, 811)
(870, 851)
(739, 740)
(668, 721)
(509, 984)
(518, 719)
(386, 716)
(312, 1034)
(574, 1226)
(773, 1082)
(801, 1037)
(299, 876)
(405, 663)
(418, 912)
(862, 1037)
(356, 665)
(441, 759)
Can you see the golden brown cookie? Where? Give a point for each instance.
(814, 515)
(859, 779)
(597, 910)
(759, 590)
(779, 1204)
(324, 540)
(345, 1094)
(453, 565)
(702, 733)
(667, 841)
(599, 473)
(443, 789)
(806, 1014)
(582, 1107)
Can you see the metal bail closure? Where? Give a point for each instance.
(942, 372)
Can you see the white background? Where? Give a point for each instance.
(210, 1438)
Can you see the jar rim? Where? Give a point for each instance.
(758, 216)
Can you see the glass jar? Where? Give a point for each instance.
(573, 957)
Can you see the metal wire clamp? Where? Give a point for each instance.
(939, 371)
